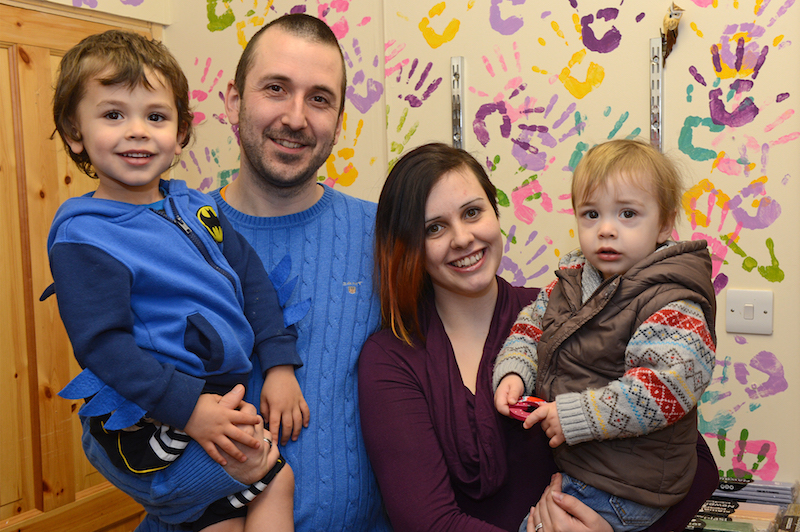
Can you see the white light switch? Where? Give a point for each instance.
(748, 311)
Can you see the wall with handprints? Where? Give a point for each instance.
(545, 81)
(156, 11)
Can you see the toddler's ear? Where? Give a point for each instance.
(667, 228)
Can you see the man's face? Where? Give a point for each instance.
(288, 111)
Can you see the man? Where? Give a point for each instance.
(288, 99)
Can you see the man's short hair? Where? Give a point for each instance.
(299, 25)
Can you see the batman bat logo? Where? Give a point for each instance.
(209, 219)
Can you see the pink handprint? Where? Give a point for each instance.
(390, 56)
(200, 95)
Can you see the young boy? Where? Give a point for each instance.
(163, 301)
(621, 344)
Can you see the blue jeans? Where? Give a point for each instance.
(623, 515)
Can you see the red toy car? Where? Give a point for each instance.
(525, 406)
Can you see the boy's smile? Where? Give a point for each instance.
(619, 225)
(130, 135)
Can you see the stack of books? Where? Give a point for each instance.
(762, 491)
(790, 522)
(744, 505)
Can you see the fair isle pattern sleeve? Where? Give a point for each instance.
(518, 354)
(669, 361)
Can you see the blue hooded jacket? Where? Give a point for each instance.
(161, 306)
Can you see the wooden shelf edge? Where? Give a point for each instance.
(96, 508)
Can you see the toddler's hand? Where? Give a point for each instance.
(282, 402)
(548, 415)
(213, 423)
(510, 389)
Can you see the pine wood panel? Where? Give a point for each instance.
(35, 28)
(102, 509)
(44, 193)
(16, 444)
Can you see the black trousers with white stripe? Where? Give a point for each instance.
(150, 446)
(143, 448)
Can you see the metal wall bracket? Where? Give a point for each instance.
(656, 100)
(457, 99)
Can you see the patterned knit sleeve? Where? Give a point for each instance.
(518, 354)
(669, 359)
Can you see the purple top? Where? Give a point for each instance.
(444, 458)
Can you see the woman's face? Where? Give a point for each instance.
(463, 243)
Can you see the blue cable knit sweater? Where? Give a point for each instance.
(331, 250)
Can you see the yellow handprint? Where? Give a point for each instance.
(349, 174)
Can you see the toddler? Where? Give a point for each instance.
(621, 344)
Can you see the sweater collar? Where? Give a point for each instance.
(274, 222)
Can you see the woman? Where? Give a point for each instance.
(444, 458)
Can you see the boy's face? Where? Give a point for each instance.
(131, 137)
(619, 225)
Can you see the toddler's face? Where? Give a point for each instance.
(618, 224)
(130, 135)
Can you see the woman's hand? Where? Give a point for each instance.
(558, 512)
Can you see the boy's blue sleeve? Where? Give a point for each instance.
(275, 344)
(94, 300)
(177, 494)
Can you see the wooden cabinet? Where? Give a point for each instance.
(46, 482)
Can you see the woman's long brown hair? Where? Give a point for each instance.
(402, 281)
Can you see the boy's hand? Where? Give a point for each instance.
(548, 415)
(213, 423)
(510, 389)
(282, 402)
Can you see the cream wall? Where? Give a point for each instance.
(577, 70)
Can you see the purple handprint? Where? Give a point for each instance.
(374, 88)
(609, 41)
(412, 99)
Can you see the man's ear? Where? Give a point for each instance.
(233, 101)
(338, 128)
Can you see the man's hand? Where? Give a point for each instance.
(510, 389)
(282, 402)
(258, 461)
(214, 421)
(548, 415)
